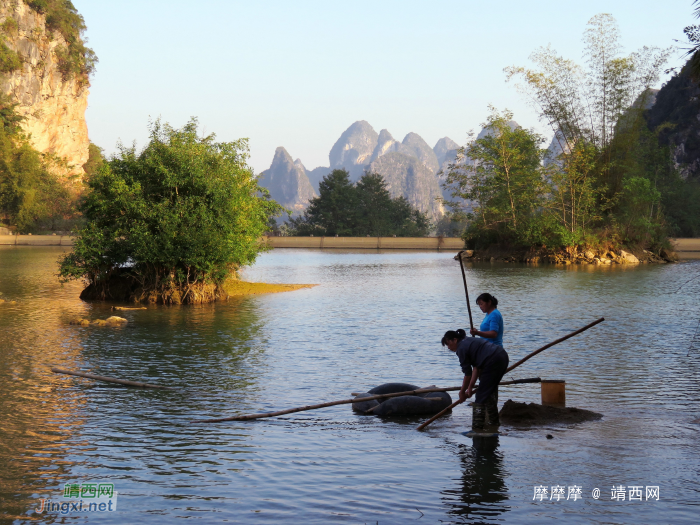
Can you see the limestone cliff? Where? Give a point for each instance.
(445, 150)
(422, 151)
(353, 150)
(52, 102)
(407, 176)
(287, 182)
(675, 116)
(387, 144)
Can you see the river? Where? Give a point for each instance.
(374, 318)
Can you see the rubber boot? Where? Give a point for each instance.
(478, 417)
(491, 406)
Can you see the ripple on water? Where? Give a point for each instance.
(376, 317)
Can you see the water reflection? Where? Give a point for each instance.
(56, 429)
(481, 489)
(375, 318)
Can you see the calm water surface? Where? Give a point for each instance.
(375, 318)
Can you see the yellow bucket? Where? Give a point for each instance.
(554, 392)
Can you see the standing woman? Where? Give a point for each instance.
(491, 327)
(481, 360)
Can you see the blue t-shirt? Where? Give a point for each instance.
(493, 321)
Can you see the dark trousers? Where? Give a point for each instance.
(491, 375)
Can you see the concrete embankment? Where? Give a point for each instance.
(36, 240)
(685, 248)
(372, 243)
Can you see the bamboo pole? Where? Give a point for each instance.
(439, 414)
(348, 401)
(532, 354)
(109, 379)
(466, 292)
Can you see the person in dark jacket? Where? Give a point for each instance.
(481, 360)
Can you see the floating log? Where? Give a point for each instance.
(348, 401)
(109, 379)
(532, 354)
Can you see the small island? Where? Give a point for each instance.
(171, 224)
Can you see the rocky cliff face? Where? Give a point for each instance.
(443, 148)
(316, 176)
(53, 107)
(675, 115)
(387, 144)
(422, 151)
(407, 176)
(287, 182)
(353, 149)
(409, 167)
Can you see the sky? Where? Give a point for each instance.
(297, 73)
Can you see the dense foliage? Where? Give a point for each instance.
(62, 17)
(183, 212)
(365, 208)
(31, 199)
(606, 179)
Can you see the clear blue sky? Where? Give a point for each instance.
(297, 73)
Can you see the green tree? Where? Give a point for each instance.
(597, 115)
(334, 211)
(170, 223)
(500, 179)
(31, 199)
(363, 209)
(373, 202)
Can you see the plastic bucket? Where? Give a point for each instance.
(554, 392)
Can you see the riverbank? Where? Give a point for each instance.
(684, 248)
(235, 288)
(600, 256)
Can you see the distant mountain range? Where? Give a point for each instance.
(410, 168)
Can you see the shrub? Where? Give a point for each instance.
(177, 219)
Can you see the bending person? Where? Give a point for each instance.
(491, 327)
(481, 360)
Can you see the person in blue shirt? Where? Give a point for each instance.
(491, 327)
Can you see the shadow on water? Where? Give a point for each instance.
(481, 491)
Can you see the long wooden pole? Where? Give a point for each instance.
(348, 401)
(439, 414)
(109, 379)
(532, 354)
(466, 291)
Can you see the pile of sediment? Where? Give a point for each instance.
(516, 413)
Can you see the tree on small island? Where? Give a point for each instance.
(171, 223)
(358, 210)
(606, 180)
